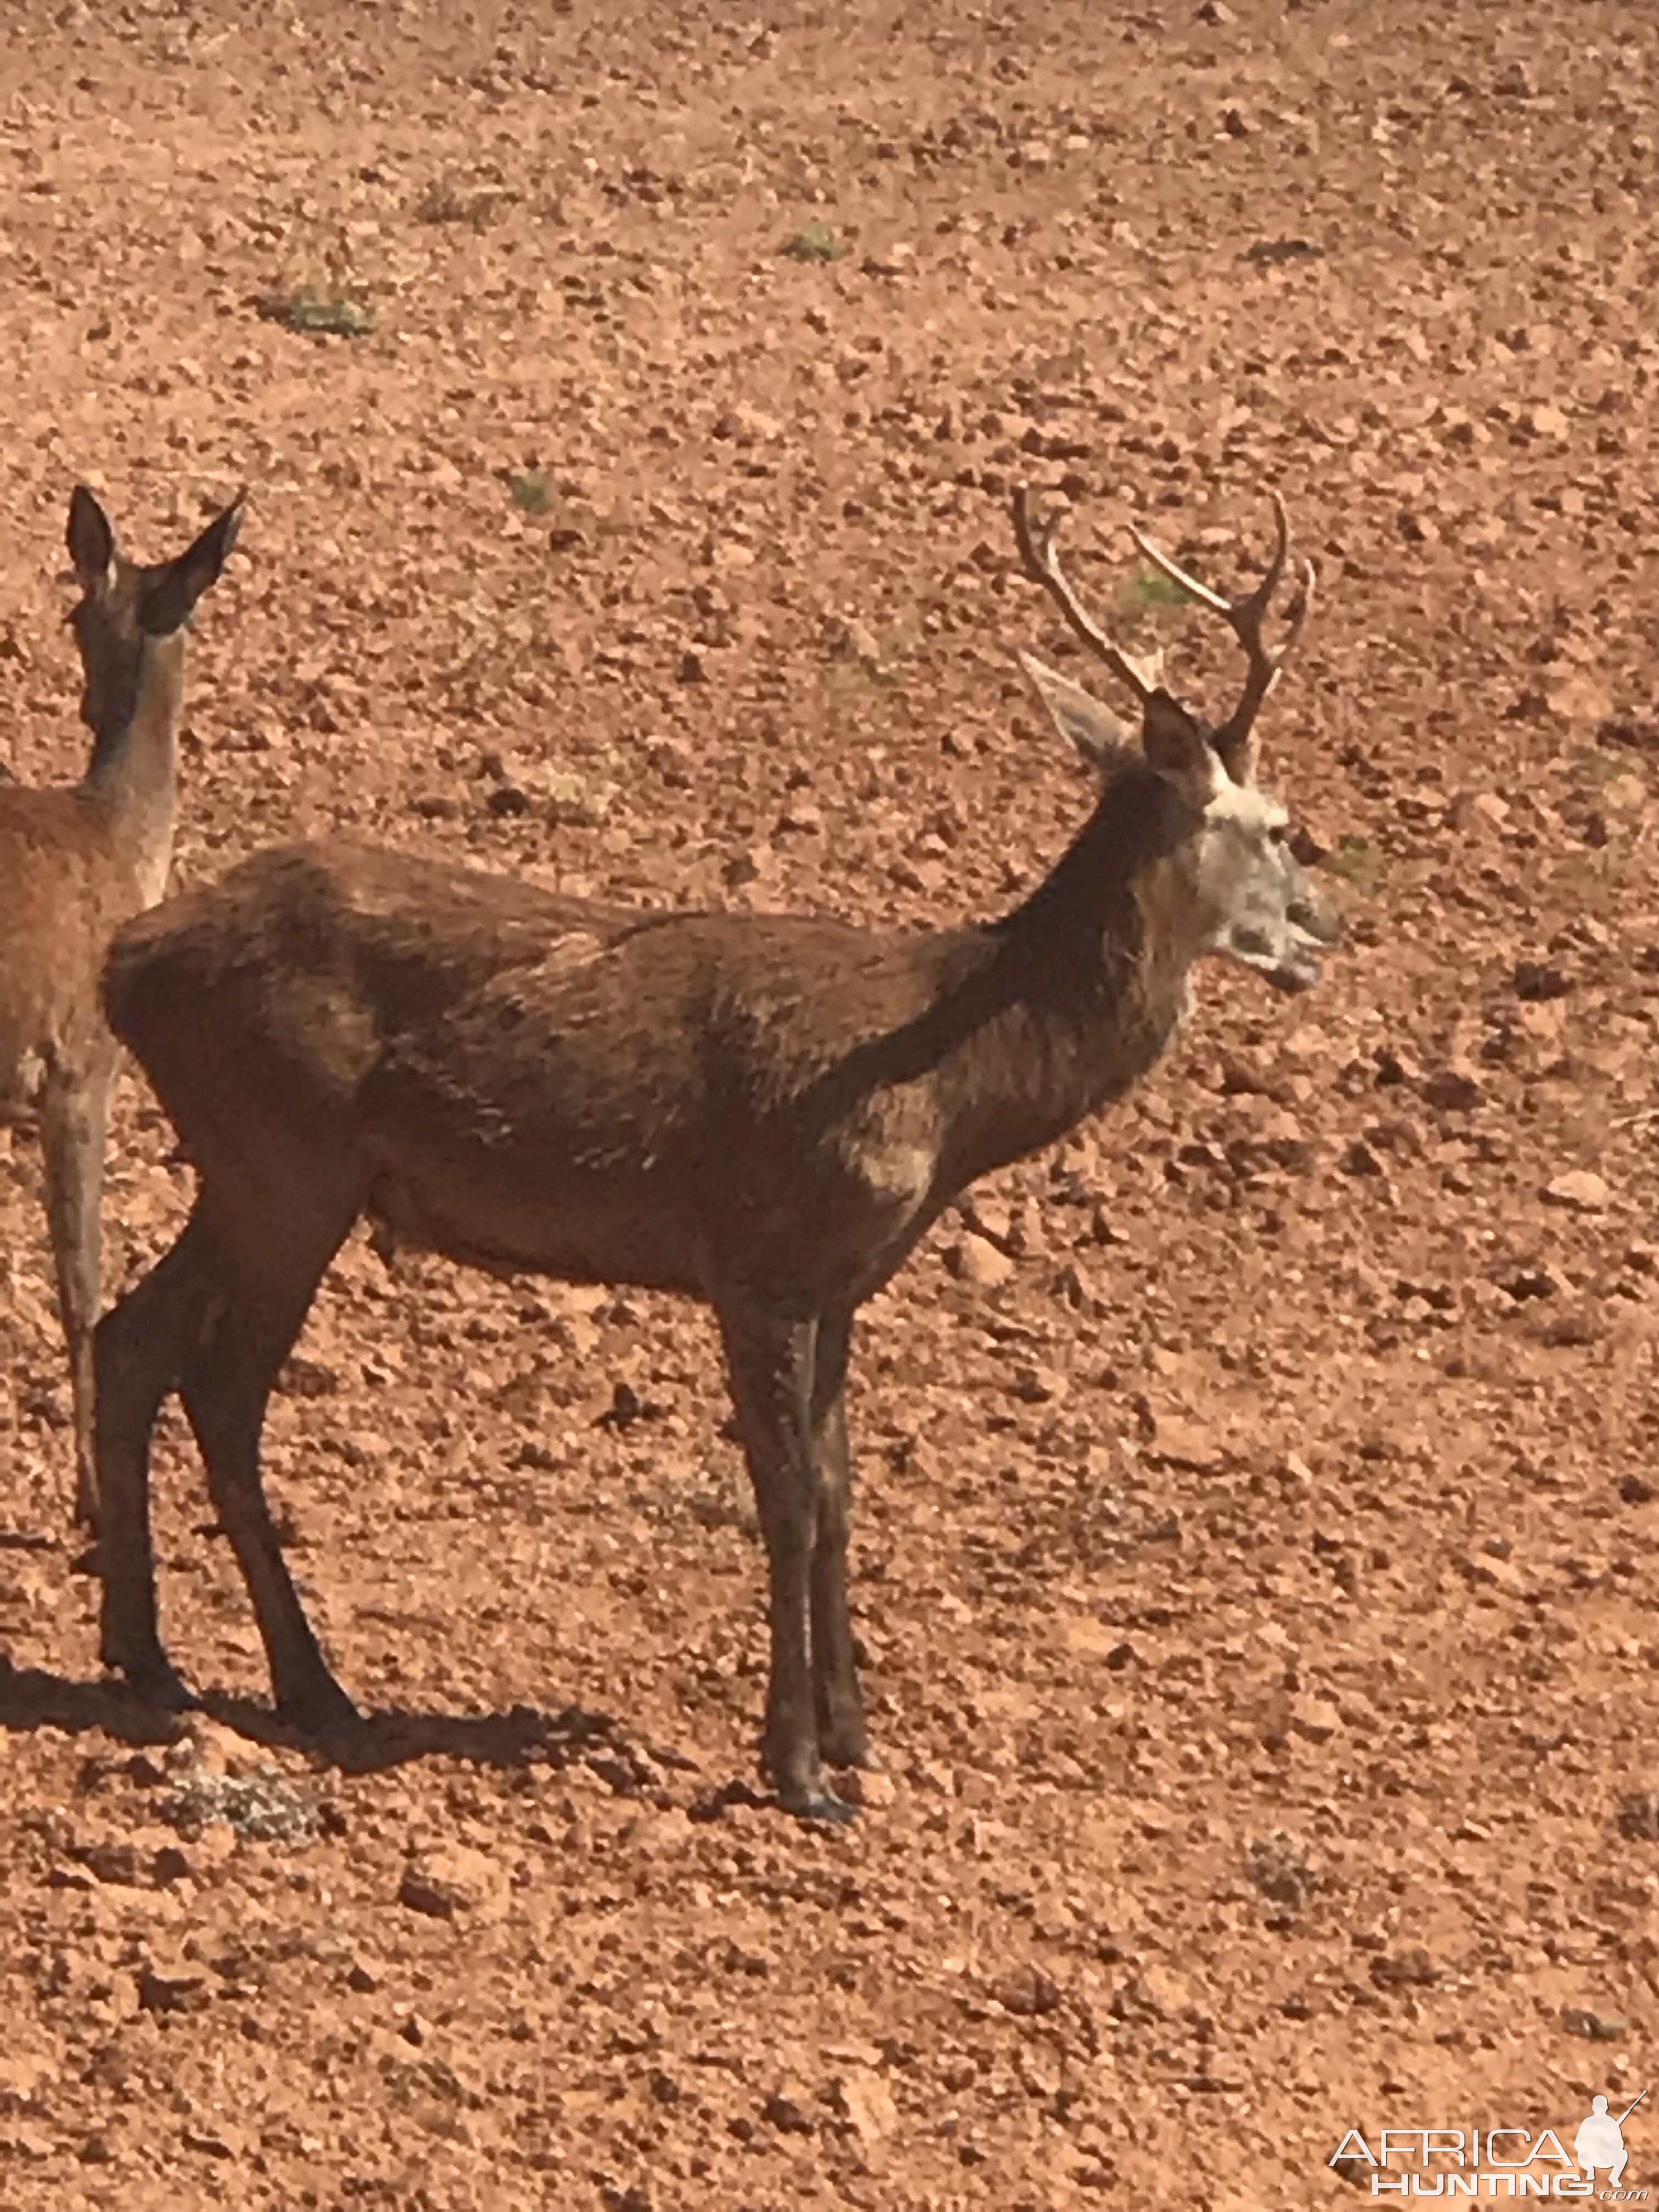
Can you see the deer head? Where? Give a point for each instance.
(126, 608)
(1233, 881)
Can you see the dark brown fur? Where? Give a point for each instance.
(763, 1113)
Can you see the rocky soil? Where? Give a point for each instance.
(1259, 1529)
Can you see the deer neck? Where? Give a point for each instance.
(132, 777)
(1085, 987)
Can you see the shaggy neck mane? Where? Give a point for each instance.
(1047, 1014)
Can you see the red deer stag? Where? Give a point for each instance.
(763, 1112)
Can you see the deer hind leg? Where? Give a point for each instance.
(226, 1380)
(769, 1363)
(838, 1702)
(74, 1118)
(140, 1348)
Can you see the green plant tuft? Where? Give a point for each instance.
(814, 241)
(1149, 589)
(532, 492)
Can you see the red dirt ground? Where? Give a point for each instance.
(1257, 1579)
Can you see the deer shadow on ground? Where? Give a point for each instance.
(33, 1698)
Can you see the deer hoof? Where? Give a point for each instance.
(322, 1709)
(154, 1682)
(820, 1804)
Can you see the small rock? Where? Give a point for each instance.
(1536, 1283)
(171, 1986)
(1496, 1571)
(1580, 1325)
(1538, 981)
(1480, 809)
(448, 1882)
(214, 2143)
(1638, 1817)
(759, 863)
(1215, 11)
(863, 2100)
(421, 1894)
(1315, 1719)
(897, 260)
(120, 1862)
(990, 1220)
(1360, 1160)
(866, 1786)
(1597, 2027)
(1161, 1990)
(973, 1260)
(1636, 1490)
(1578, 696)
(1028, 1993)
(788, 2115)
(1452, 1091)
(1178, 1442)
(1403, 1970)
(1038, 1385)
(1580, 1188)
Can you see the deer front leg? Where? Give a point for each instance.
(770, 1364)
(840, 1707)
(73, 1117)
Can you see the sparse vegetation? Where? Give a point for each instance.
(814, 241)
(263, 1806)
(860, 655)
(1278, 1865)
(1148, 591)
(1357, 862)
(320, 313)
(443, 201)
(532, 492)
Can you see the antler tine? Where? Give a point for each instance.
(1042, 565)
(1244, 617)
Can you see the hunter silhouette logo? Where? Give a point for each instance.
(1600, 2141)
(1499, 2162)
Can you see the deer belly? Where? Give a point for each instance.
(559, 1222)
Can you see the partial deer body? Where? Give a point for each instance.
(75, 862)
(761, 1112)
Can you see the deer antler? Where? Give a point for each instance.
(1042, 564)
(1244, 617)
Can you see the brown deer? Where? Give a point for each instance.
(763, 1112)
(76, 861)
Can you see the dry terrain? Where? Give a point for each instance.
(1258, 1537)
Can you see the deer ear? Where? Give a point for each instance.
(1180, 750)
(176, 589)
(1093, 729)
(91, 540)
